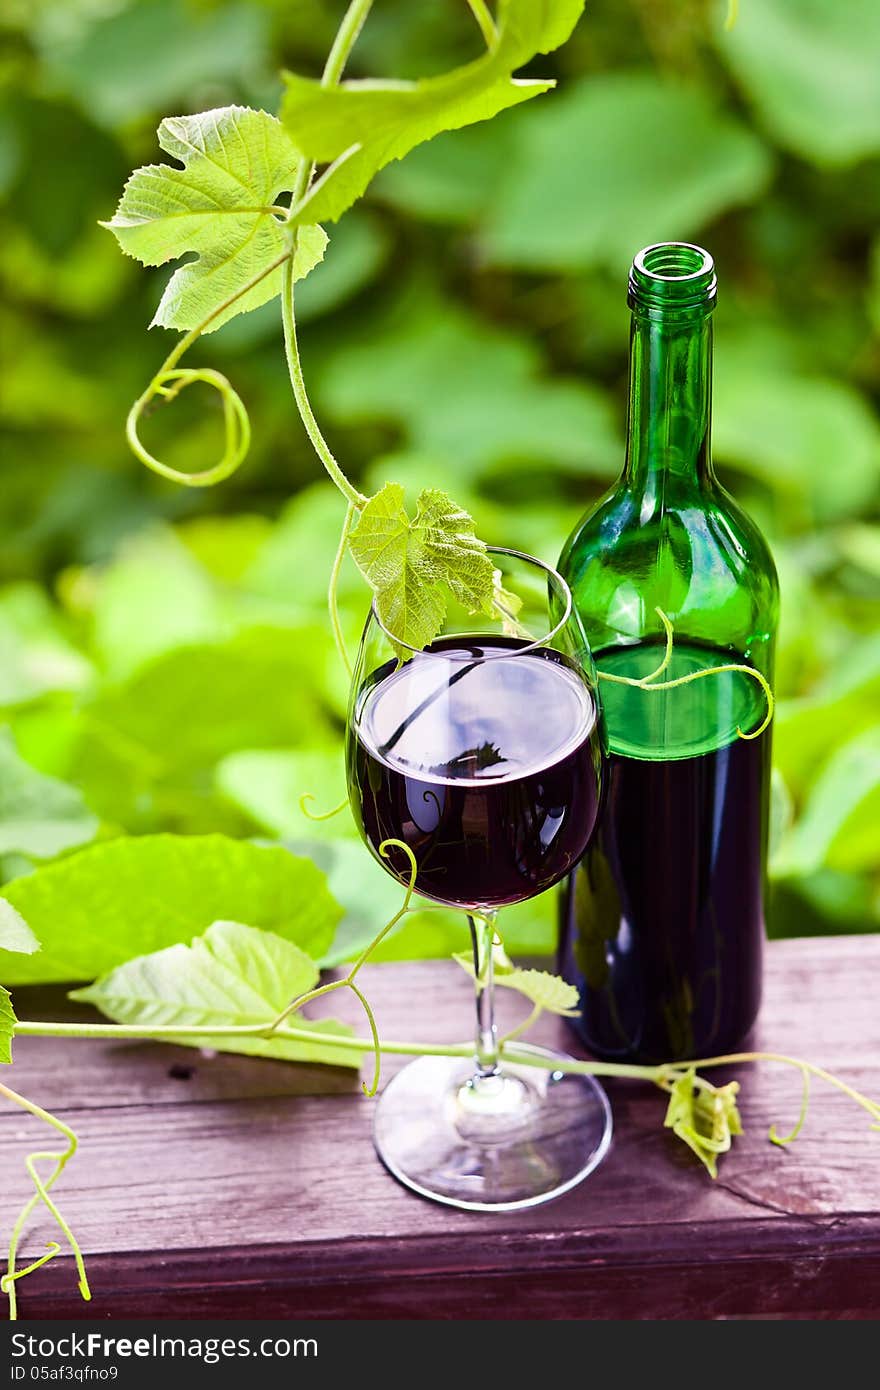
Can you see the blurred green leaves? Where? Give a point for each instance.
(466, 331)
(141, 58)
(469, 395)
(813, 440)
(40, 817)
(614, 163)
(810, 69)
(840, 824)
(36, 657)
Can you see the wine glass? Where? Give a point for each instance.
(483, 754)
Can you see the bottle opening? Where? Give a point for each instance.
(674, 275)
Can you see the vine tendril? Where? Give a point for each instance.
(41, 1194)
(319, 815)
(805, 1105)
(236, 422)
(650, 681)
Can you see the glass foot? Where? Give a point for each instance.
(498, 1143)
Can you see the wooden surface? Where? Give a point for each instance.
(249, 1188)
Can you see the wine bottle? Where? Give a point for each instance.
(662, 923)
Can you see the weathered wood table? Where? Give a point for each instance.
(248, 1188)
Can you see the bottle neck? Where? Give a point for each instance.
(670, 400)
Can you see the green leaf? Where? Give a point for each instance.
(233, 976)
(839, 827)
(97, 908)
(705, 1117)
(548, 991)
(15, 934)
(810, 69)
(588, 187)
(39, 816)
(235, 162)
(408, 562)
(7, 1026)
(375, 122)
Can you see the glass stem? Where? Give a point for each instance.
(482, 927)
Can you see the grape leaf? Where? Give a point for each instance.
(236, 162)
(15, 934)
(375, 122)
(704, 1119)
(408, 562)
(232, 976)
(7, 1026)
(99, 907)
(548, 991)
(39, 816)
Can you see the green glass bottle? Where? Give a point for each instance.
(662, 924)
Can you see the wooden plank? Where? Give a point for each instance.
(237, 1191)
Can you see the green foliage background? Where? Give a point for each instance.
(165, 662)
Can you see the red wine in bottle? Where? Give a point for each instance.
(662, 926)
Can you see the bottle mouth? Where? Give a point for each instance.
(672, 275)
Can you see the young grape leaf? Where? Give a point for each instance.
(39, 816)
(409, 562)
(705, 1117)
(7, 1026)
(15, 934)
(99, 907)
(232, 976)
(548, 991)
(375, 122)
(219, 205)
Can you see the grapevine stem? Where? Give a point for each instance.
(659, 1074)
(294, 366)
(332, 598)
(481, 14)
(346, 37)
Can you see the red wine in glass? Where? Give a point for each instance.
(474, 771)
(487, 769)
